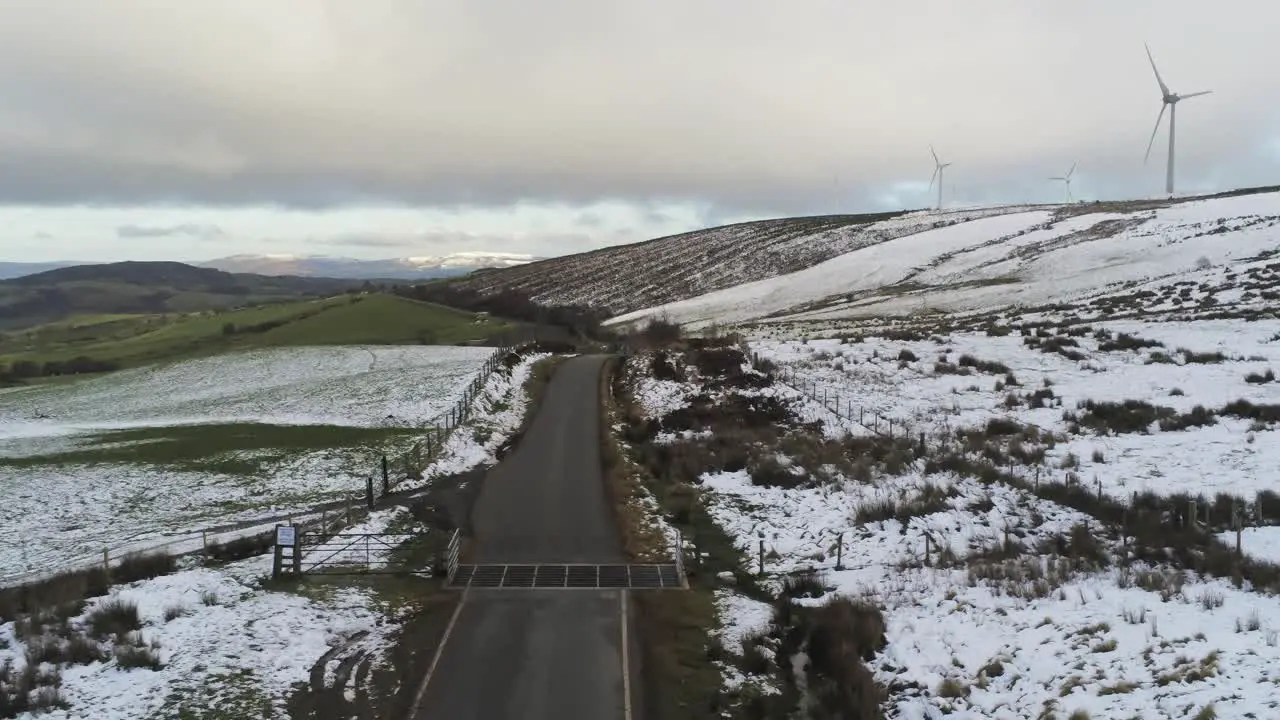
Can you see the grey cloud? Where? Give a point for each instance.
(191, 230)
(364, 240)
(455, 103)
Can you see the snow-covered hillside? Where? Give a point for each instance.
(631, 277)
(1022, 257)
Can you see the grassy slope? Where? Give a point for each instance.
(384, 319)
(135, 340)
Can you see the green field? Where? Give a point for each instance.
(131, 340)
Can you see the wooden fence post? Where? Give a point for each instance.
(761, 573)
(928, 543)
(840, 551)
(368, 490)
(386, 480)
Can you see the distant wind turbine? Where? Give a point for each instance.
(938, 167)
(1066, 180)
(1170, 101)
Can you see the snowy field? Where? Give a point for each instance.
(348, 386)
(1233, 454)
(63, 512)
(226, 641)
(1020, 257)
(976, 627)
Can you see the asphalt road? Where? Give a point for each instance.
(542, 654)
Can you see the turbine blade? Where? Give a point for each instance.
(936, 161)
(1070, 172)
(936, 169)
(1163, 88)
(1154, 130)
(1057, 178)
(1194, 94)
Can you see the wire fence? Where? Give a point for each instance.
(866, 417)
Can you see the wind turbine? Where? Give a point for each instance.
(1170, 101)
(938, 167)
(1066, 180)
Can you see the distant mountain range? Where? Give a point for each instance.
(19, 269)
(410, 268)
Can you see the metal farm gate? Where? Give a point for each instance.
(315, 553)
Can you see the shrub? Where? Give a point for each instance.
(1198, 416)
(768, 472)
(1248, 411)
(241, 548)
(905, 355)
(997, 427)
(1125, 341)
(1260, 378)
(1130, 416)
(143, 566)
(803, 585)
(952, 688)
(131, 656)
(114, 616)
(56, 591)
(985, 366)
(1203, 358)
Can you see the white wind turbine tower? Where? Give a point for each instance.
(938, 167)
(1066, 180)
(1170, 101)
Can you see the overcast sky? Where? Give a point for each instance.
(134, 129)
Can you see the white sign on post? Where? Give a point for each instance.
(285, 535)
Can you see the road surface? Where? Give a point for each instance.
(542, 654)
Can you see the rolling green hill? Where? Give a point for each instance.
(113, 341)
(145, 288)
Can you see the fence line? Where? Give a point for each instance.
(867, 418)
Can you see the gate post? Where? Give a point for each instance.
(277, 557)
(368, 491)
(679, 554)
(385, 479)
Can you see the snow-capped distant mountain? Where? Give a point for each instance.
(410, 268)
